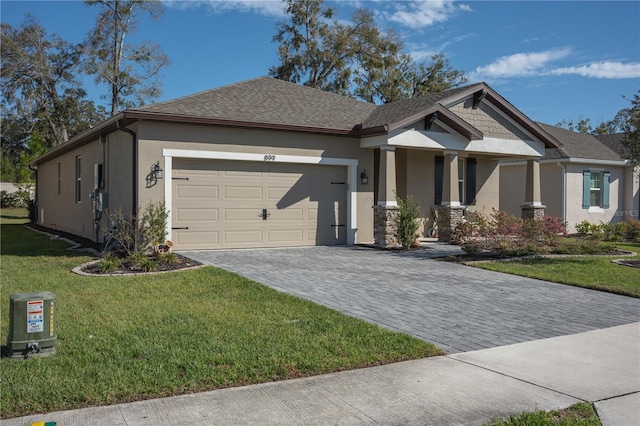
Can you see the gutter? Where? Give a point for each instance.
(134, 169)
(564, 191)
(35, 194)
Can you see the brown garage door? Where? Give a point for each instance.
(236, 204)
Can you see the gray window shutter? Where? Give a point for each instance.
(586, 189)
(606, 177)
(438, 178)
(470, 176)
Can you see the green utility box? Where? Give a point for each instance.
(32, 324)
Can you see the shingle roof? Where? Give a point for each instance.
(270, 101)
(614, 142)
(398, 111)
(577, 145)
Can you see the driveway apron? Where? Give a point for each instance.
(457, 307)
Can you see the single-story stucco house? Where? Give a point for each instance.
(268, 163)
(586, 178)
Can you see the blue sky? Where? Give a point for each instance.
(553, 60)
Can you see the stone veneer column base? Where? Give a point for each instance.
(532, 212)
(448, 219)
(385, 223)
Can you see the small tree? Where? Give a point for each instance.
(409, 212)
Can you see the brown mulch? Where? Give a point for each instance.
(126, 267)
(634, 263)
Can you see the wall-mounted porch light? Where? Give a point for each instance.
(157, 171)
(364, 179)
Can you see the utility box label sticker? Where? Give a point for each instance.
(35, 316)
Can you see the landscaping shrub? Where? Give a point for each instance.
(15, 199)
(138, 233)
(409, 212)
(503, 234)
(628, 230)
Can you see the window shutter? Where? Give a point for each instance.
(470, 184)
(606, 177)
(439, 176)
(586, 189)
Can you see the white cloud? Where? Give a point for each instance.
(519, 64)
(420, 14)
(602, 70)
(263, 7)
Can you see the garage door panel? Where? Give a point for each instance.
(197, 215)
(243, 193)
(290, 214)
(198, 240)
(198, 191)
(242, 215)
(303, 201)
(243, 237)
(286, 235)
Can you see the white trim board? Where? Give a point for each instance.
(350, 163)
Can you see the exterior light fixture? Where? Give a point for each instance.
(157, 171)
(364, 179)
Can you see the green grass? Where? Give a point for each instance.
(581, 414)
(131, 338)
(596, 272)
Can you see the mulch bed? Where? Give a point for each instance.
(125, 268)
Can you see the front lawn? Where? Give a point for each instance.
(130, 338)
(596, 272)
(581, 414)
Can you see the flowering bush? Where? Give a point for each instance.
(503, 234)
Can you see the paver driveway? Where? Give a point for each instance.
(458, 307)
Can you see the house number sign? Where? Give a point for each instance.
(269, 157)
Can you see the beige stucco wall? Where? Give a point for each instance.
(575, 212)
(153, 137)
(512, 192)
(487, 186)
(61, 212)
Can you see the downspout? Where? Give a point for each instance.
(134, 170)
(35, 195)
(564, 191)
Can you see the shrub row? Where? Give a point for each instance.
(628, 230)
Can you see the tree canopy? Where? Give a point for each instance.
(630, 125)
(129, 70)
(355, 58)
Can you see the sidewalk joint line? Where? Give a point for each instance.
(517, 378)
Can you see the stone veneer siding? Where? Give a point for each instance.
(448, 219)
(488, 121)
(385, 222)
(532, 212)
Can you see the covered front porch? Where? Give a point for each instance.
(445, 183)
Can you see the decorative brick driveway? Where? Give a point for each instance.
(457, 307)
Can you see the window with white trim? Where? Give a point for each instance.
(595, 189)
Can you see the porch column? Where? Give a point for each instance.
(450, 212)
(386, 211)
(532, 207)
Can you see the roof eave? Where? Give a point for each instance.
(81, 139)
(186, 119)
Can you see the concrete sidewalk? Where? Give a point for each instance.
(600, 366)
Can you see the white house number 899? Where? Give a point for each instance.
(269, 157)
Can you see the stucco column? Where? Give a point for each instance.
(450, 193)
(450, 212)
(532, 207)
(387, 177)
(386, 211)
